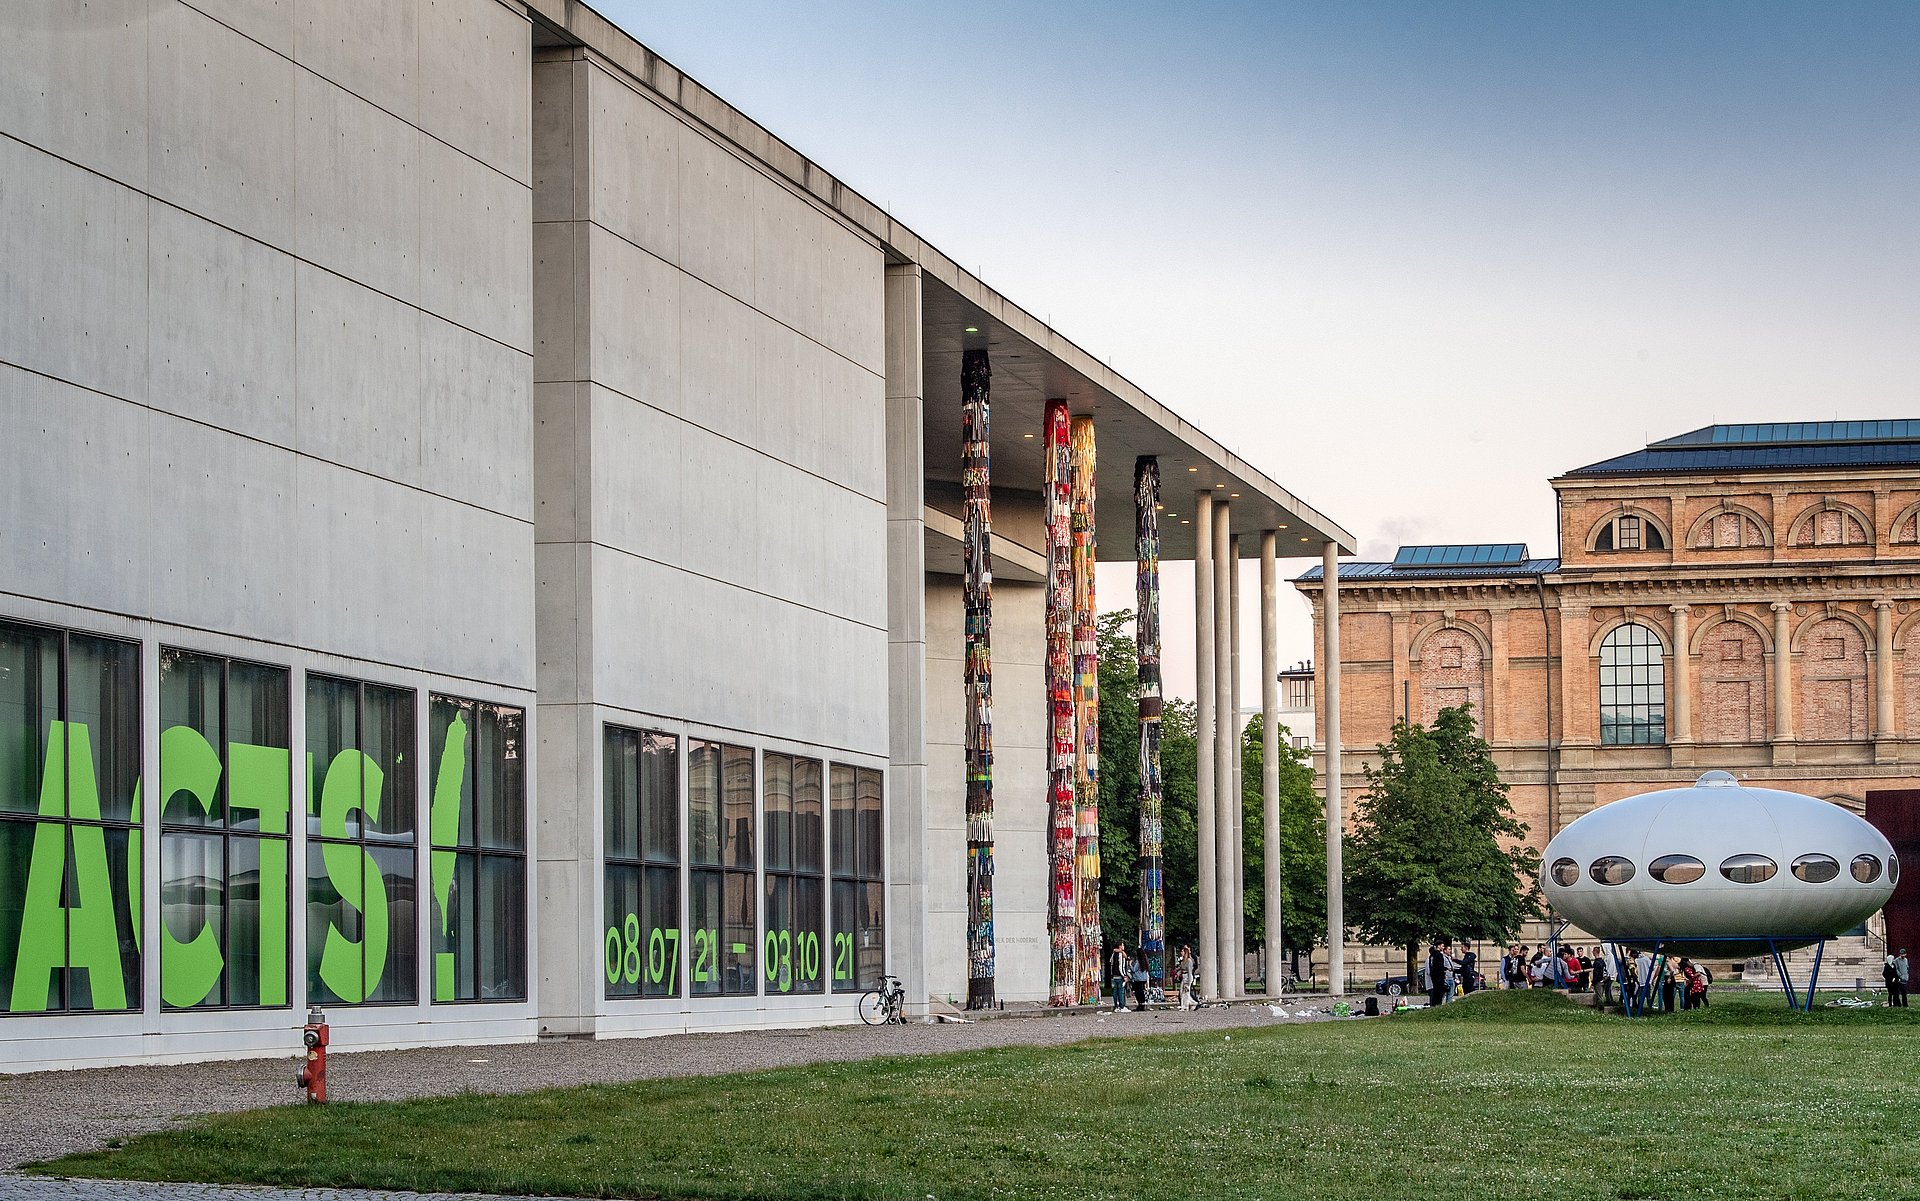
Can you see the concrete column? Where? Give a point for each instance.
(1782, 673)
(1330, 677)
(1063, 906)
(1203, 639)
(906, 810)
(1237, 805)
(1682, 677)
(1270, 756)
(1225, 739)
(1883, 669)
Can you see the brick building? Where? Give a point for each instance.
(1740, 597)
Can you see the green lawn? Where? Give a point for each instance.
(1508, 1096)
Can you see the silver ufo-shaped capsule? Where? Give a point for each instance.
(1718, 869)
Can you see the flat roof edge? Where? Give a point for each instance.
(582, 24)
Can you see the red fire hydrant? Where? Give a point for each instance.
(313, 1075)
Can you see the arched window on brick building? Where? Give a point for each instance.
(1630, 531)
(1733, 684)
(1633, 681)
(1906, 527)
(1728, 527)
(1830, 524)
(1452, 673)
(1833, 682)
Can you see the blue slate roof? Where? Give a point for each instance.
(1772, 446)
(1396, 571)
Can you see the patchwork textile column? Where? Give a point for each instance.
(1063, 915)
(977, 596)
(1086, 670)
(1146, 633)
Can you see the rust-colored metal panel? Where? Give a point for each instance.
(1895, 812)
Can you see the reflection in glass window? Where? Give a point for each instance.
(641, 916)
(1611, 869)
(795, 950)
(1866, 868)
(70, 842)
(477, 824)
(859, 889)
(361, 873)
(1748, 869)
(1816, 869)
(721, 915)
(1676, 869)
(1632, 688)
(1893, 870)
(226, 805)
(1565, 872)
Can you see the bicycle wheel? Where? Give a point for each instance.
(873, 1008)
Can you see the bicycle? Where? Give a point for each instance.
(884, 1005)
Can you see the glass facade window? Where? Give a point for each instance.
(794, 950)
(477, 825)
(361, 878)
(226, 804)
(70, 842)
(1748, 869)
(721, 887)
(859, 951)
(641, 910)
(1566, 872)
(1633, 706)
(1865, 868)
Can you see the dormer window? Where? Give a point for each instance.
(1629, 531)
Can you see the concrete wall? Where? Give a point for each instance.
(709, 467)
(266, 355)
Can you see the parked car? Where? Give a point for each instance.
(1394, 986)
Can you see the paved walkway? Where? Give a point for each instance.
(48, 1114)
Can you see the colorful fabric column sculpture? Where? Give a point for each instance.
(1063, 914)
(1146, 632)
(1086, 661)
(977, 597)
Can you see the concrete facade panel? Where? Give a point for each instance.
(69, 537)
(476, 419)
(560, 462)
(76, 82)
(716, 204)
(221, 124)
(553, 167)
(788, 256)
(562, 619)
(717, 363)
(357, 177)
(69, 240)
(369, 47)
(474, 64)
(476, 611)
(560, 301)
(476, 260)
(853, 426)
(362, 588)
(358, 364)
(645, 495)
(220, 327)
(269, 22)
(221, 558)
(634, 336)
(635, 174)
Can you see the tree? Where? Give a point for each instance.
(1302, 839)
(1436, 849)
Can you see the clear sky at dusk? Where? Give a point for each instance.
(1411, 260)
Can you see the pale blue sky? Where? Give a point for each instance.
(1411, 260)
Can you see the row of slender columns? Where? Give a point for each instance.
(1222, 834)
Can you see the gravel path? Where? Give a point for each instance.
(47, 1114)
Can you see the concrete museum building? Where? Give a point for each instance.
(1744, 597)
(498, 544)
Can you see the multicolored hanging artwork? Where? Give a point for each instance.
(976, 474)
(1063, 915)
(1146, 632)
(1086, 665)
